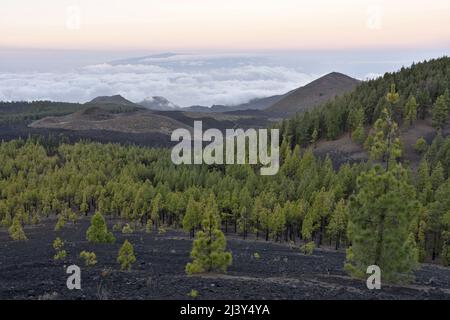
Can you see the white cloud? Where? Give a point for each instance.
(183, 79)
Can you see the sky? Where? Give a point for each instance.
(230, 25)
(205, 52)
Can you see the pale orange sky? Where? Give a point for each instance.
(230, 25)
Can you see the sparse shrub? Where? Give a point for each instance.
(127, 229)
(308, 248)
(162, 230)
(98, 231)
(61, 222)
(60, 255)
(126, 256)
(58, 245)
(193, 293)
(421, 146)
(90, 258)
(16, 231)
(117, 226)
(256, 256)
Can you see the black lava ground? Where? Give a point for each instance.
(28, 271)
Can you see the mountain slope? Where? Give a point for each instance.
(259, 104)
(314, 93)
(254, 104)
(99, 118)
(426, 81)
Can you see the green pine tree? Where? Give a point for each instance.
(410, 112)
(338, 222)
(440, 112)
(386, 145)
(98, 230)
(208, 251)
(126, 256)
(16, 231)
(156, 207)
(379, 224)
(277, 223)
(193, 216)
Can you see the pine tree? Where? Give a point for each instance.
(244, 221)
(424, 102)
(126, 256)
(193, 216)
(84, 207)
(16, 231)
(410, 112)
(208, 251)
(257, 212)
(338, 222)
(386, 145)
(355, 120)
(379, 224)
(421, 145)
(382, 210)
(437, 213)
(315, 218)
(421, 229)
(445, 255)
(156, 207)
(98, 230)
(440, 112)
(277, 223)
(359, 134)
(437, 176)
(423, 183)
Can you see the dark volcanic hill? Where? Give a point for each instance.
(314, 93)
(112, 100)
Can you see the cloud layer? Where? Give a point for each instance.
(183, 79)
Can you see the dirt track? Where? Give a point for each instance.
(27, 271)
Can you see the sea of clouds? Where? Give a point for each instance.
(184, 79)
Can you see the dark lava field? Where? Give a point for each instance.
(28, 271)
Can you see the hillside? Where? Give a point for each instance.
(95, 118)
(424, 81)
(344, 150)
(314, 93)
(254, 104)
